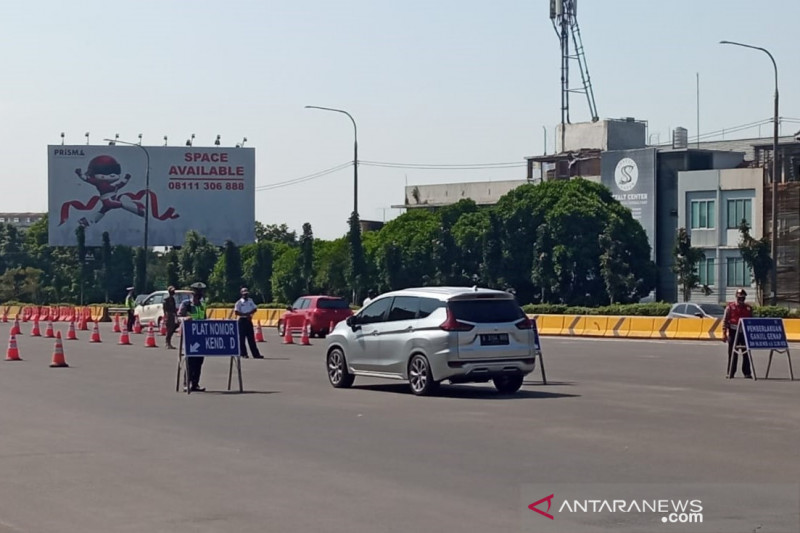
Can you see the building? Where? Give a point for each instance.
(656, 182)
(20, 220)
(711, 206)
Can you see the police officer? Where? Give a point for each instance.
(730, 323)
(194, 309)
(245, 308)
(130, 305)
(170, 315)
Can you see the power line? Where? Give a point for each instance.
(302, 179)
(425, 166)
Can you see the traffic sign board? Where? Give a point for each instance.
(204, 338)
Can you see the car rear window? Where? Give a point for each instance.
(332, 303)
(713, 309)
(486, 311)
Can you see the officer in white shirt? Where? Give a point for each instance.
(245, 308)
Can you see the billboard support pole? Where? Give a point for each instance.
(146, 205)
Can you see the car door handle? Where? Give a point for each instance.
(375, 332)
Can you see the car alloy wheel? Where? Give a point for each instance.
(419, 376)
(338, 374)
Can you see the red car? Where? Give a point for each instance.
(319, 311)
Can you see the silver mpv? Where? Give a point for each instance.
(431, 334)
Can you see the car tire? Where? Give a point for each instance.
(338, 374)
(420, 379)
(281, 328)
(508, 384)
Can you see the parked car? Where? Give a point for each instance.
(320, 311)
(692, 310)
(431, 334)
(151, 309)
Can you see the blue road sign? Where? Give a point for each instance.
(210, 338)
(764, 333)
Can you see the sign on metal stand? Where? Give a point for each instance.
(537, 347)
(209, 338)
(761, 334)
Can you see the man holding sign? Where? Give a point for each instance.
(734, 312)
(194, 309)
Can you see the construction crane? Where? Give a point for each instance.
(564, 14)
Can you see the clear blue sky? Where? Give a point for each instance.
(435, 82)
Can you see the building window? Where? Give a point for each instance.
(739, 210)
(706, 270)
(2, 219)
(16, 220)
(702, 214)
(738, 273)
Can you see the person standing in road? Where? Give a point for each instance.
(170, 315)
(245, 308)
(370, 296)
(130, 305)
(194, 309)
(730, 324)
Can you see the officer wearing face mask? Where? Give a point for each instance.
(730, 322)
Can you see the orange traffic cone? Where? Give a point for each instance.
(259, 333)
(333, 325)
(5, 316)
(35, 329)
(13, 352)
(58, 354)
(287, 334)
(95, 334)
(150, 340)
(124, 339)
(49, 331)
(15, 330)
(116, 323)
(137, 326)
(83, 323)
(163, 329)
(304, 337)
(71, 336)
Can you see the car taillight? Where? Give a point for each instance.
(525, 323)
(451, 324)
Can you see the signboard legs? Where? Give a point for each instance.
(788, 357)
(238, 370)
(740, 349)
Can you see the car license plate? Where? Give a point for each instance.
(494, 339)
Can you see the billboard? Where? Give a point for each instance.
(631, 177)
(104, 188)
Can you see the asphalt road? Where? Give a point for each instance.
(107, 445)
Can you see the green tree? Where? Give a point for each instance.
(275, 233)
(357, 264)
(139, 270)
(233, 272)
(258, 271)
(21, 284)
(287, 278)
(330, 267)
(307, 257)
(686, 259)
(756, 254)
(406, 250)
(469, 234)
(197, 258)
(621, 251)
(491, 267)
(173, 268)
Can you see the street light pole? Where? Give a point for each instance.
(774, 232)
(355, 152)
(146, 204)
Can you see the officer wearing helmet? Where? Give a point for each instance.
(730, 323)
(194, 309)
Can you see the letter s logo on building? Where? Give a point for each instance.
(626, 174)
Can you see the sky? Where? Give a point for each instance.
(428, 82)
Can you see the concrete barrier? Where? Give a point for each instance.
(550, 324)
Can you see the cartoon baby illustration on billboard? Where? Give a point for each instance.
(105, 174)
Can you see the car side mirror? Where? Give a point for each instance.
(352, 321)
(289, 308)
(699, 315)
